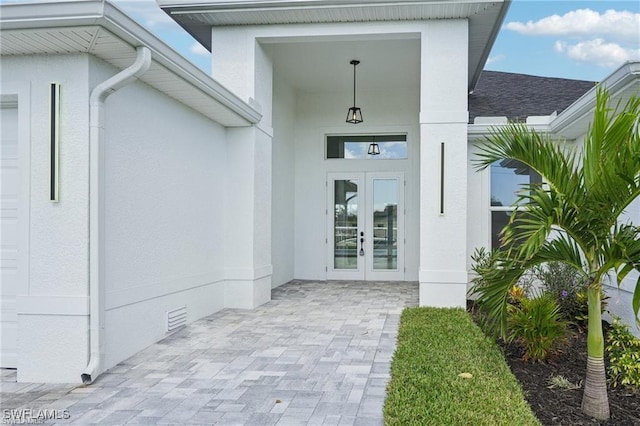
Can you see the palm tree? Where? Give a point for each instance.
(572, 217)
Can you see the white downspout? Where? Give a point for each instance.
(96, 130)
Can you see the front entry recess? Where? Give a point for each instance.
(365, 218)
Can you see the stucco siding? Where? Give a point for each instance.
(51, 302)
(282, 204)
(164, 194)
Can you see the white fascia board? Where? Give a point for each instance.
(230, 5)
(106, 15)
(127, 29)
(475, 131)
(473, 79)
(616, 82)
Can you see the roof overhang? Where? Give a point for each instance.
(101, 29)
(623, 83)
(485, 17)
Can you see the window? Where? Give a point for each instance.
(507, 178)
(392, 147)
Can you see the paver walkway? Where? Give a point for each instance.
(318, 353)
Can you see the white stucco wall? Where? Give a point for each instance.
(52, 302)
(164, 194)
(478, 202)
(443, 119)
(620, 299)
(283, 158)
(245, 68)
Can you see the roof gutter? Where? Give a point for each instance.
(25, 16)
(96, 129)
(627, 74)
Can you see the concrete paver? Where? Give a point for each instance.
(318, 353)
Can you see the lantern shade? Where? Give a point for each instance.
(374, 149)
(354, 116)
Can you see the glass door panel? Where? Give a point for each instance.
(365, 226)
(345, 224)
(384, 221)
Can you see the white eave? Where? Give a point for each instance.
(574, 121)
(485, 17)
(99, 28)
(483, 126)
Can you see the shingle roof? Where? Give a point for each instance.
(517, 96)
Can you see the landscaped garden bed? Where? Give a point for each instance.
(558, 404)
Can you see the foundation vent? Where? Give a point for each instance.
(176, 318)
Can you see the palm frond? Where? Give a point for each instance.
(517, 142)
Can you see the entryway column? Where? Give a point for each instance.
(443, 163)
(244, 66)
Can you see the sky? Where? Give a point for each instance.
(583, 40)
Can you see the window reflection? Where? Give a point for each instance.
(385, 224)
(345, 224)
(507, 178)
(392, 147)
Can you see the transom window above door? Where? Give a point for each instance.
(361, 147)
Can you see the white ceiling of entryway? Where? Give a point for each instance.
(323, 66)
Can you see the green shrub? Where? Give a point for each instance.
(623, 349)
(566, 285)
(434, 347)
(484, 263)
(537, 326)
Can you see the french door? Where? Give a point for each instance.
(365, 226)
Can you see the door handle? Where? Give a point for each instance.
(361, 243)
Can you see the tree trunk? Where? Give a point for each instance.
(595, 401)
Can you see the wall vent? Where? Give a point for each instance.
(176, 318)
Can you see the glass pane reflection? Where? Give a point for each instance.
(507, 178)
(345, 231)
(385, 224)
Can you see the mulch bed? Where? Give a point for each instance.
(556, 406)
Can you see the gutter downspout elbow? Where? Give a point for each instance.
(96, 182)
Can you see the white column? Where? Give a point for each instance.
(245, 67)
(443, 120)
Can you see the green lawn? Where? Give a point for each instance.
(434, 346)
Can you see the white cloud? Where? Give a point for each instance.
(597, 51)
(621, 26)
(198, 49)
(496, 58)
(606, 39)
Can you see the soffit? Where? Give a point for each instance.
(485, 17)
(317, 67)
(182, 81)
(313, 12)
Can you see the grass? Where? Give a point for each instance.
(434, 347)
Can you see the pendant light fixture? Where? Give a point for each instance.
(374, 149)
(354, 116)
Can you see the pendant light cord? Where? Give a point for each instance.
(354, 83)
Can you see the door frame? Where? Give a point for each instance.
(365, 270)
